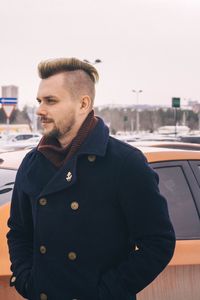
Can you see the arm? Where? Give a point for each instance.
(20, 236)
(149, 228)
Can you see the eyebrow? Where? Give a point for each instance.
(47, 97)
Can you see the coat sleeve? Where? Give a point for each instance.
(20, 236)
(152, 238)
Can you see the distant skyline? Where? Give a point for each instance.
(152, 45)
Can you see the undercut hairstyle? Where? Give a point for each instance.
(81, 76)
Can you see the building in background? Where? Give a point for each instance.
(9, 91)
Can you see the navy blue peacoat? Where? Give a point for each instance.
(95, 229)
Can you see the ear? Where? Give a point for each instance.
(85, 104)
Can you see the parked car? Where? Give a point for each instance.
(19, 145)
(19, 137)
(179, 172)
(23, 136)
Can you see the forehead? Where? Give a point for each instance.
(54, 85)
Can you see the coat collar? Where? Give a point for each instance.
(95, 144)
(97, 140)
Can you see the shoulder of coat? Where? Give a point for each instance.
(29, 157)
(124, 147)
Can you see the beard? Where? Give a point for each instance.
(60, 130)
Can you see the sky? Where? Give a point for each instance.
(148, 45)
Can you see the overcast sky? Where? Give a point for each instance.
(153, 45)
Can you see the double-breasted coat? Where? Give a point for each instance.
(95, 229)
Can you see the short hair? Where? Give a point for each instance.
(81, 76)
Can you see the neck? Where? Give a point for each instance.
(67, 139)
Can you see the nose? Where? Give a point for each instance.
(41, 111)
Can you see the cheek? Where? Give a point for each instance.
(63, 115)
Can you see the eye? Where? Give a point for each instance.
(51, 101)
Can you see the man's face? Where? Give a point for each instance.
(57, 110)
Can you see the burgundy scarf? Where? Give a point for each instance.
(51, 149)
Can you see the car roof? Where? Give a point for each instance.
(154, 154)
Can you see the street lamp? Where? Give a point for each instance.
(137, 92)
(97, 61)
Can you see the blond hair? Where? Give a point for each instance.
(80, 76)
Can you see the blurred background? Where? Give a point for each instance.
(146, 52)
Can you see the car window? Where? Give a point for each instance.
(21, 137)
(25, 136)
(182, 206)
(7, 179)
(18, 138)
(195, 164)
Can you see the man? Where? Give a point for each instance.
(87, 220)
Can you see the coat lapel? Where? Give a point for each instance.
(63, 178)
(44, 178)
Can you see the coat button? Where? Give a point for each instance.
(72, 256)
(43, 201)
(91, 158)
(43, 249)
(74, 205)
(69, 176)
(13, 279)
(43, 296)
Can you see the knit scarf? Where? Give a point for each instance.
(51, 149)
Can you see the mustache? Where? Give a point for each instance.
(45, 120)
